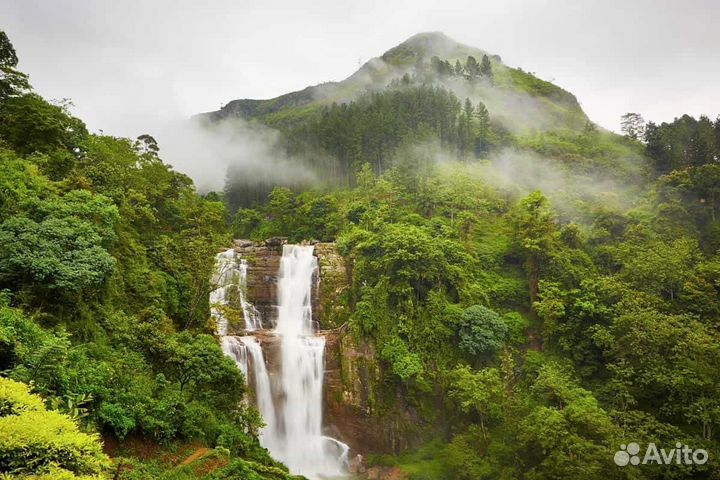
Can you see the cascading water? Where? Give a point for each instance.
(263, 392)
(245, 351)
(250, 314)
(299, 440)
(292, 406)
(226, 276)
(235, 349)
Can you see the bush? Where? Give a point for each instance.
(34, 440)
(15, 399)
(403, 363)
(482, 331)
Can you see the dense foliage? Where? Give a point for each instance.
(555, 337)
(105, 259)
(34, 440)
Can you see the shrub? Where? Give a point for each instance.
(33, 440)
(482, 331)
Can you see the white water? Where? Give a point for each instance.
(263, 392)
(235, 349)
(226, 276)
(293, 422)
(230, 275)
(250, 314)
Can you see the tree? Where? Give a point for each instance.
(12, 82)
(280, 209)
(245, 222)
(702, 149)
(30, 124)
(458, 68)
(472, 67)
(659, 267)
(148, 145)
(403, 363)
(441, 67)
(479, 392)
(482, 331)
(465, 128)
(672, 361)
(633, 126)
(8, 57)
(54, 256)
(535, 226)
(486, 68)
(483, 128)
(566, 434)
(199, 368)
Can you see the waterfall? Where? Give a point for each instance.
(235, 349)
(225, 276)
(291, 406)
(302, 446)
(250, 314)
(263, 392)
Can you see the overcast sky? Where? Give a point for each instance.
(130, 65)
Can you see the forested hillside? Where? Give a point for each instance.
(536, 290)
(538, 296)
(547, 340)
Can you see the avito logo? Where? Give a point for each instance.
(681, 454)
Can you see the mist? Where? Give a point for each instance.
(247, 151)
(569, 191)
(575, 193)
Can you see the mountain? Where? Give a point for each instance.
(515, 98)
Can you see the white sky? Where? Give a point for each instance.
(131, 65)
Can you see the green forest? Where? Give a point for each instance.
(532, 328)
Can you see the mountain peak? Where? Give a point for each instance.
(515, 98)
(428, 37)
(427, 44)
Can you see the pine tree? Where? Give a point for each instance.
(471, 67)
(483, 128)
(468, 108)
(458, 68)
(486, 68)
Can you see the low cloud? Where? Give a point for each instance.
(208, 153)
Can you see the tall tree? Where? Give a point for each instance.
(535, 226)
(483, 128)
(471, 67)
(11, 81)
(486, 68)
(702, 148)
(458, 67)
(633, 125)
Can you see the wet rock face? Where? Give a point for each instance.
(331, 283)
(352, 399)
(263, 259)
(330, 305)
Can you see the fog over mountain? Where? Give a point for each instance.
(131, 66)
